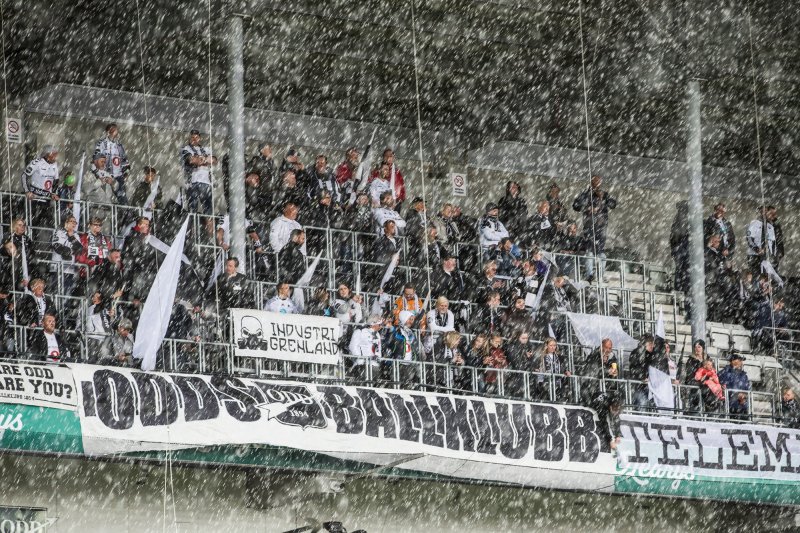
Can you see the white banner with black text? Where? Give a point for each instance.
(289, 337)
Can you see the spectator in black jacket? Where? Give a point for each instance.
(487, 318)
(34, 306)
(541, 231)
(291, 259)
(568, 242)
(595, 203)
(47, 345)
(263, 166)
(141, 260)
(601, 365)
(383, 249)
(513, 210)
(790, 408)
(447, 280)
(558, 214)
(25, 252)
(716, 223)
(689, 369)
(108, 277)
(639, 363)
(233, 289)
(144, 190)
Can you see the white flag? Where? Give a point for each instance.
(390, 269)
(76, 199)
(660, 388)
(297, 294)
(361, 176)
(550, 331)
(661, 331)
(767, 268)
(24, 252)
(157, 308)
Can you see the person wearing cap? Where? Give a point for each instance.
(197, 162)
(118, 348)
(40, 183)
(116, 161)
(734, 380)
(66, 193)
(366, 345)
(490, 229)
(386, 211)
(595, 204)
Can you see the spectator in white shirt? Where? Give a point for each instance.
(366, 346)
(490, 229)
(197, 161)
(385, 212)
(280, 230)
(380, 184)
(281, 302)
(440, 320)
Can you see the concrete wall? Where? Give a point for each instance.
(94, 496)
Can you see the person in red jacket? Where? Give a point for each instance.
(495, 359)
(395, 178)
(345, 177)
(96, 247)
(710, 387)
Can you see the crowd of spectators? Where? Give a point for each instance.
(487, 292)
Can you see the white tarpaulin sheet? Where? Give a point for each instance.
(591, 329)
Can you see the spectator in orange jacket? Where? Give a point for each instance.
(409, 301)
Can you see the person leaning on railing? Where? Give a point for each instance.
(46, 344)
(496, 359)
(366, 345)
(735, 381)
(710, 387)
(401, 344)
(600, 366)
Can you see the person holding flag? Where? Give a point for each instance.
(661, 370)
(387, 171)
